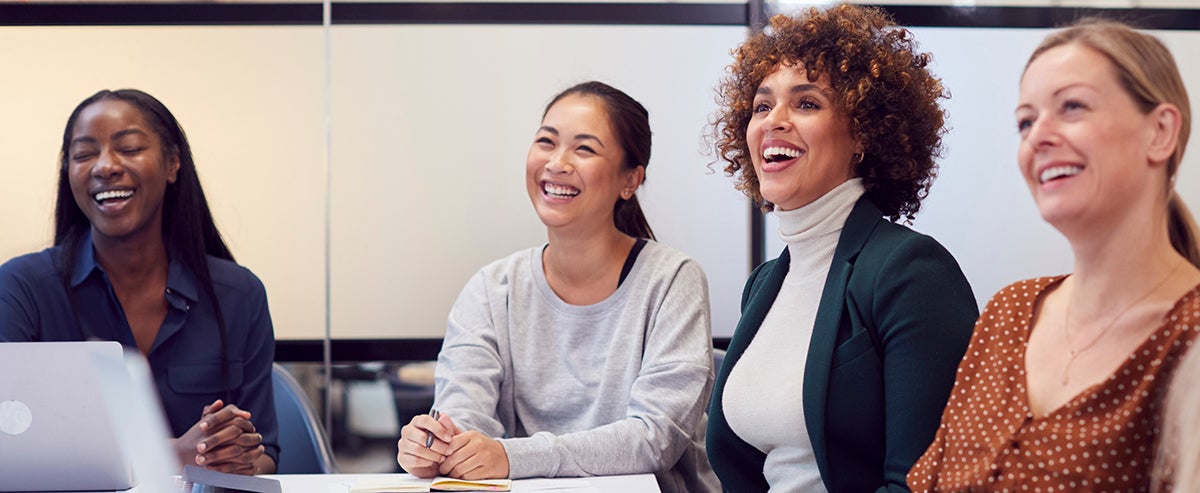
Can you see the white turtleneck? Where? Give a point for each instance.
(764, 395)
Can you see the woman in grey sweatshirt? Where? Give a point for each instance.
(591, 354)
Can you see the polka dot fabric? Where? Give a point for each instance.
(1102, 440)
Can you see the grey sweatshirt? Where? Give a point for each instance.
(618, 387)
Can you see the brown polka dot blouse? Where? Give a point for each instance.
(1102, 440)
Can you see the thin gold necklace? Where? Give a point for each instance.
(1073, 353)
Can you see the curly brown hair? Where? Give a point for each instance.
(880, 82)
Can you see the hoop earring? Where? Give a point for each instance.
(858, 157)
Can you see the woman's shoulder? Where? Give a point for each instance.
(661, 262)
(31, 267)
(227, 274)
(664, 254)
(504, 266)
(1024, 293)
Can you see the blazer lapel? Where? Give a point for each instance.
(762, 297)
(862, 221)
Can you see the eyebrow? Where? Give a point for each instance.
(1056, 93)
(115, 136)
(794, 89)
(554, 131)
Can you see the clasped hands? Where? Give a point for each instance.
(468, 455)
(223, 440)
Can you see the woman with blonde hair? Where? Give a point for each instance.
(1064, 379)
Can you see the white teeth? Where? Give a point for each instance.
(1058, 171)
(560, 190)
(781, 151)
(113, 194)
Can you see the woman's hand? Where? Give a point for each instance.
(474, 455)
(224, 440)
(413, 455)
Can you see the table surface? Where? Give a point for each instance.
(341, 483)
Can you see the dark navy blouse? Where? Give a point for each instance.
(186, 355)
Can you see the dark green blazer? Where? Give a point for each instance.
(894, 320)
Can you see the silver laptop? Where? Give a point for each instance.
(56, 431)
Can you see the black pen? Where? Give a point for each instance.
(429, 439)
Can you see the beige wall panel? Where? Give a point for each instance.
(250, 99)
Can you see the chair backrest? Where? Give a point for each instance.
(303, 447)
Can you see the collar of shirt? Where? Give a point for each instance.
(181, 284)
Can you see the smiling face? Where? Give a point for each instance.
(119, 170)
(800, 145)
(1086, 148)
(574, 172)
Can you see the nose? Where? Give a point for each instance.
(107, 166)
(1042, 132)
(777, 119)
(558, 162)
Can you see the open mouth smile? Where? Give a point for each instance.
(558, 191)
(1057, 172)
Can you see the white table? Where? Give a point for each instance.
(341, 483)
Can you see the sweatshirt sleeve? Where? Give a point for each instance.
(665, 404)
(469, 370)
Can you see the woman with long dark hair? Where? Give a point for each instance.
(591, 354)
(137, 259)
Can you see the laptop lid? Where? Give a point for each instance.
(139, 421)
(55, 428)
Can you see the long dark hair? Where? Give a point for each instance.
(188, 229)
(632, 124)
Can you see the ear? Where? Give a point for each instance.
(1165, 121)
(633, 180)
(173, 168)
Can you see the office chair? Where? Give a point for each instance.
(303, 447)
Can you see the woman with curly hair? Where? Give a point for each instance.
(846, 349)
(1064, 381)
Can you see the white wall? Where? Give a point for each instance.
(430, 128)
(979, 206)
(428, 149)
(429, 155)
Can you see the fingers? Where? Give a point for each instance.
(458, 460)
(475, 456)
(448, 423)
(212, 408)
(214, 420)
(412, 452)
(231, 455)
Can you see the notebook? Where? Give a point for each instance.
(55, 429)
(406, 484)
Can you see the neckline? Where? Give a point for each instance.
(561, 305)
(1089, 391)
